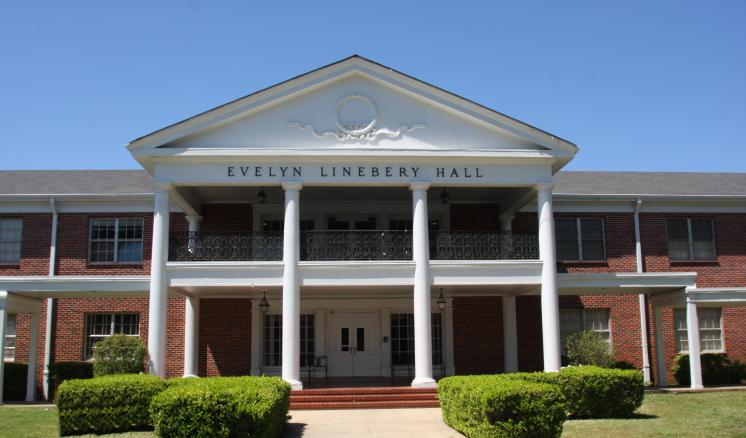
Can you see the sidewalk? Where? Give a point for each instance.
(363, 423)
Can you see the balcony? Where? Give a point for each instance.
(352, 245)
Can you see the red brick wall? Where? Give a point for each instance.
(225, 337)
(475, 217)
(229, 218)
(478, 335)
(36, 235)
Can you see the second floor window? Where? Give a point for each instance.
(580, 239)
(691, 239)
(116, 241)
(10, 240)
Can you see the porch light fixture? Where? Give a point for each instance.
(264, 304)
(261, 196)
(441, 301)
(445, 197)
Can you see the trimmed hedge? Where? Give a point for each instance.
(107, 404)
(222, 407)
(498, 406)
(61, 371)
(594, 392)
(14, 381)
(717, 369)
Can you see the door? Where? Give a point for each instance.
(353, 344)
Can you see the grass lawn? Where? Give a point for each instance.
(721, 414)
(713, 414)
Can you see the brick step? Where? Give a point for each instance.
(370, 390)
(366, 405)
(303, 398)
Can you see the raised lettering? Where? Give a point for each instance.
(346, 171)
(360, 171)
(245, 170)
(230, 171)
(403, 172)
(297, 171)
(270, 171)
(284, 170)
(389, 171)
(466, 172)
(323, 172)
(440, 172)
(454, 173)
(374, 172)
(479, 174)
(415, 170)
(257, 171)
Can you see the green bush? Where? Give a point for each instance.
(222, 407)
(717, 369)
(61, 371)
(496, 406)
(594, 392)
(107, 404)
(588, 348)
(14, 381)
(623, 365)
(118, 354)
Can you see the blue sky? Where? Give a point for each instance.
(638, 85)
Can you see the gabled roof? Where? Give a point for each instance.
(567, 183)
(356, 63)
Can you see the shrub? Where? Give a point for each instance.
(14, 381)
(594, 392)
(717, 369)
(118, 354)
(61, 371)
(588, 348)
(623, 365)
(222, 407)
(495, 406)
(107, 404)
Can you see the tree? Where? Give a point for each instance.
(588, 348)
(118, 354)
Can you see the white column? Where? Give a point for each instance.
(385, 346)
(191, 337)
(449, 339)
(33, 349)
(510, 334)
(3, 325)
(256, 338)
(423, 348)
(49, 327)
(157, 307)
(644, 339)
(692, 330)
(291, 287)
(660, 351)
(549, 298)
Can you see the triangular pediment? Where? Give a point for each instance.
(354, 104)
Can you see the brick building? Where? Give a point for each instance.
(360, 221)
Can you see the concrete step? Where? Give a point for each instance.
(361, 397)
(367, 404)
(364, 398)
(365, 390)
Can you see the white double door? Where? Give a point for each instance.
(353, 343)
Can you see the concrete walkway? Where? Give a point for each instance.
(363, 423)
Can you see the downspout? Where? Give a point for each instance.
(641, 299)
(50, 301)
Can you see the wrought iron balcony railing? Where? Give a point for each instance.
(360, 245)
(482, 245)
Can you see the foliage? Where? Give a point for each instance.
(588, 348)
(496, 406)
(61, 371)
(623, 365)
(118, 354)
(222, 407)
(14, 381)
(106, 404)
(594, 392)
(717, 369)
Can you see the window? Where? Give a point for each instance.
(11, 231)
(710, 331)
(272, 340)
(116, 241)
(691, 239)
(580, 239)
(101, 325)
(9, 352)
(402, 338)
(576, 320)
(276, 226)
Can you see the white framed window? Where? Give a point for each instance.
(402, 338)
(580, 238)
(577, 320)
(691, 239)
(115, 240)
(99, 326)
(9, 352)
(272, 340)
(11, 234)
(710, 330)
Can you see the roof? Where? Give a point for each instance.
(123, 182)
(650, 183)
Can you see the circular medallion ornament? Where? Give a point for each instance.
(356, 116)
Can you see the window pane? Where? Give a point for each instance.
(593, 250)
(703, 241)
(597, 320)
(567, 239)
(360, 339)
(710, 332)
(103, 228)
(592, 233)
(128, 252)
(10, 240)
(571, 321)
(102, 251)
(678, 239)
